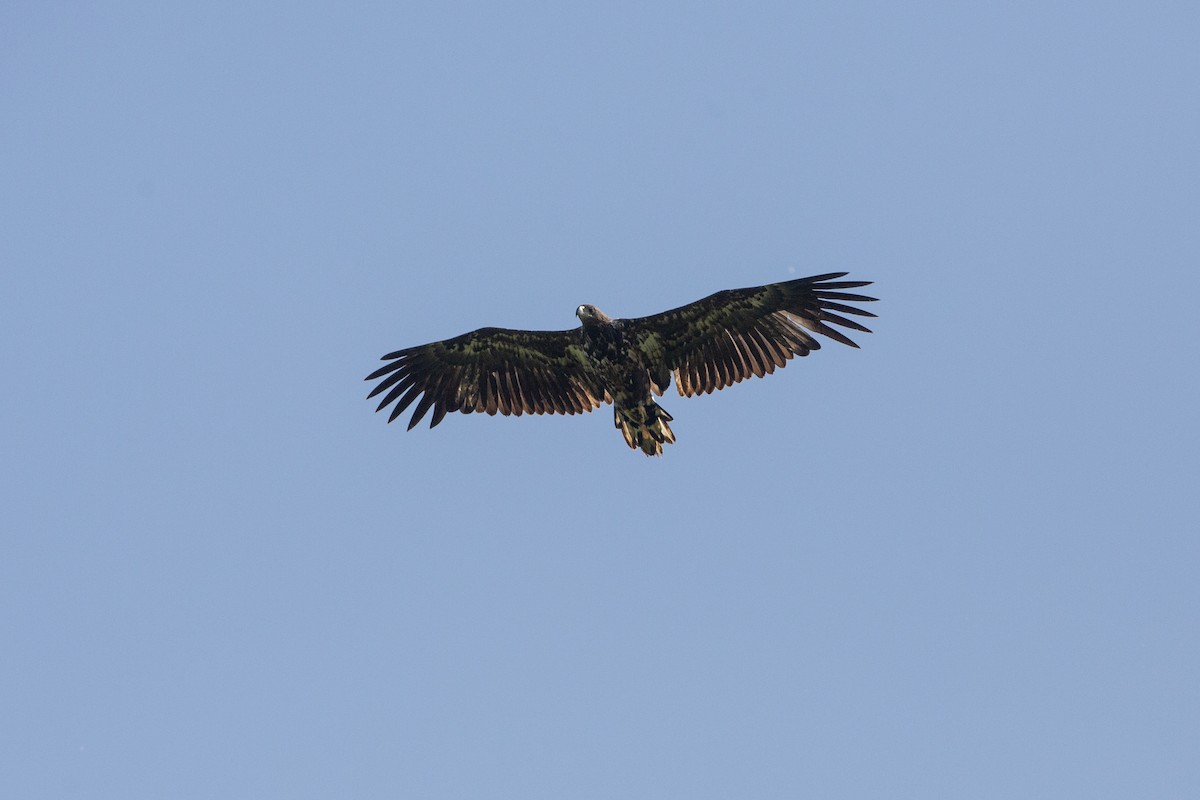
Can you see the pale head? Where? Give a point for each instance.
(590, 315)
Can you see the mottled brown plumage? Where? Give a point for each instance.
(710, 344)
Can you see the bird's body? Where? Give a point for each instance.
(626, 374)
(710, 344)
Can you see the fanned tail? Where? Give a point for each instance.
(645, 427)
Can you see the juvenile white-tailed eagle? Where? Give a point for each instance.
(710, 344)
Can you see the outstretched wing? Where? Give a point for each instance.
(732, 335)
(491, 370)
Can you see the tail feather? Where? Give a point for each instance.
(645, 427)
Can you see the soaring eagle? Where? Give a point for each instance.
(710, 344)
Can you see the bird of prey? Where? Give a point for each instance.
(709, 344)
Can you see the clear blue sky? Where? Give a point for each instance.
(960, 562)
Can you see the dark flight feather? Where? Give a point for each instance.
(491, 370)
(774, 320)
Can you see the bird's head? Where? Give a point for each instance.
(590, 315)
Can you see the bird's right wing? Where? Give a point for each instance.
(490, 370)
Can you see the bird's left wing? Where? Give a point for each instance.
(739, 333)
(490, 370)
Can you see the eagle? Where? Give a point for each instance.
(712, 343)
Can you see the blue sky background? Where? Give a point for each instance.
(960, 562)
